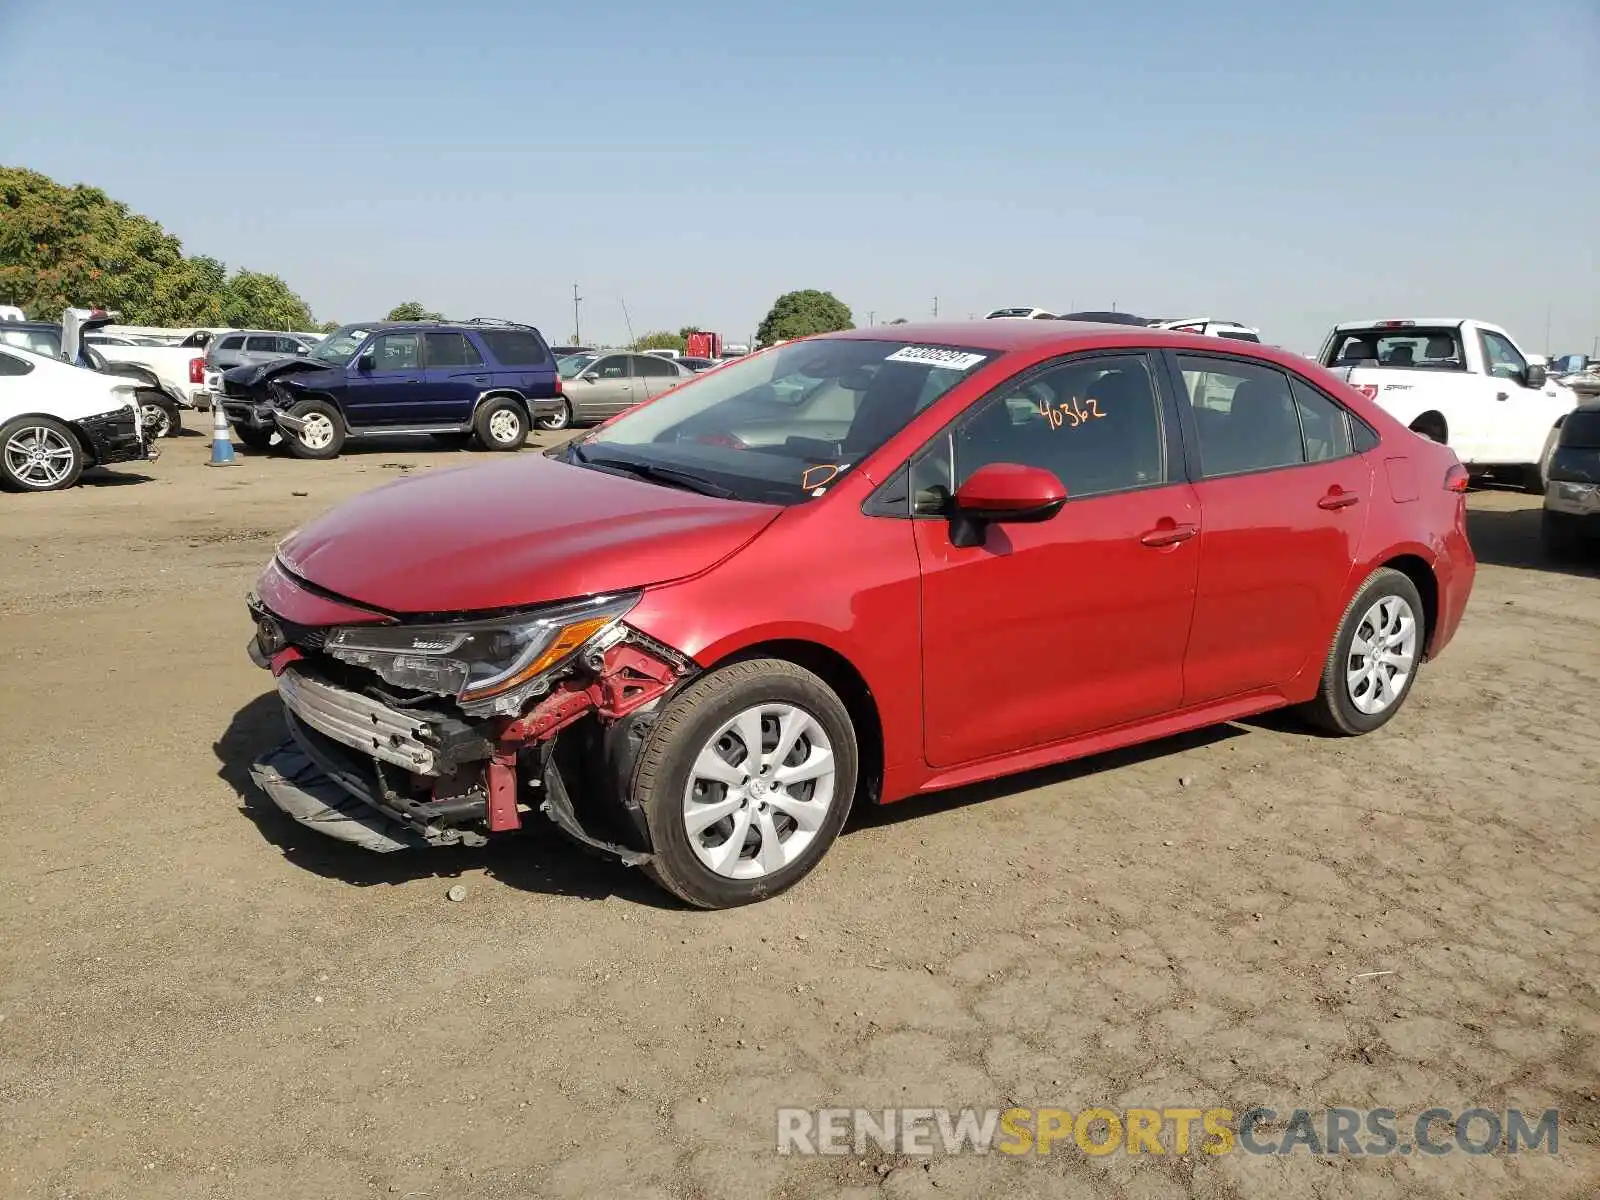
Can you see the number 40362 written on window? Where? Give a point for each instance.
(1070, 413)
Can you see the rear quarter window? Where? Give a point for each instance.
(516, 347)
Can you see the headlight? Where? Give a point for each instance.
(490, 666)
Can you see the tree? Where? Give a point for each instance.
(803, 313)
(327, 326)
(64, 247)
(685, 330)
(659, 340)
(412, 311)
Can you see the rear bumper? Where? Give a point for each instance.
(1455, 569)
(1576, 499)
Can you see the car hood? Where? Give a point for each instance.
(253, 373)
(517, 533)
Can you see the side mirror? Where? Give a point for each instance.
(1535, 375)
(590, 376)
(1003, 493)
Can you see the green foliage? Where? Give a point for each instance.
(327, 326)
(684, 331)
(64, 247)
(412, 311)
(659, 340)
(803, 313)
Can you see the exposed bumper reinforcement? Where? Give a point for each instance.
(301, 788)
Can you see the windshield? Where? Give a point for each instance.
(781, 426)
(570, 366)
(340, 346)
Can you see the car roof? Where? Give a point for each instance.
(1044, 337)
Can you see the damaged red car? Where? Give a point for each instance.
(848, 570)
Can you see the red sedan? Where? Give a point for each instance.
(851, 569)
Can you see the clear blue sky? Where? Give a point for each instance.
(1247, 159)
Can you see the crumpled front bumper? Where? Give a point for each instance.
(115, 437)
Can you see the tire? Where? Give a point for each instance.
(256, 439)
(39, 454)
(701, 724)
(558, 420)
(1431, 431)
(1381, 606)
(324, 437)
(501, 424)
(159, 413)
(1557, 537)
(1536, 478)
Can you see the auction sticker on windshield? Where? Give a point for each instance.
(933, 356)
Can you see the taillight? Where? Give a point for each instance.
(197, 370)
(558, 385)
(1369, 390)
(1456, 479)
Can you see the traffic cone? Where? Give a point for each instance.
(221, 442)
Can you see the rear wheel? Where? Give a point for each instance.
(501, 424)
(1558, 535)
(560, 419)
(321, 432)
(745, 781)
(1374, 658)
(39, 454)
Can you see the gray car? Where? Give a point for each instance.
(250, 347)
(603, 383)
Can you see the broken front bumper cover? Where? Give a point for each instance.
(384, 778)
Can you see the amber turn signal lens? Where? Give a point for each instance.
(568, 640)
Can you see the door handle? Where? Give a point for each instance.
(1170, 535)
(1339, 499)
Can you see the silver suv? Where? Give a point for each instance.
(250, 347)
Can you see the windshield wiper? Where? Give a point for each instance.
(653, 474)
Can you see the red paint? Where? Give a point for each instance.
(1009, 487)
(1121, 618)
(502, 781)
(288, 598)
(281, 660)
(517, 532)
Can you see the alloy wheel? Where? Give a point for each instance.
(505, 426)
(759, 790)
(1383, 654)
(38, 456)
(155, 419)
(316, 433)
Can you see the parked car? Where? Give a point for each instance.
(598, 386)
(1571, 518)
(160, 404)
(452, 380)
(56, 419)
(697, 365)
(1462, 382)
(246, 347)
(1023, 313)
(693, 638)
(567, 351)
(1203, 326)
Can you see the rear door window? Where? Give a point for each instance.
(451, 350)
(1244, 415)
(1324, 425)
(653, 366)
(231, 343)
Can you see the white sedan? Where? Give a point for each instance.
(57, 419)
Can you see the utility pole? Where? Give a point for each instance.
(872, 318)
(936, 308)
(577, 330)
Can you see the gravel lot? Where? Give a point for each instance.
(197, 999)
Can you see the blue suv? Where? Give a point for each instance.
(489, 381)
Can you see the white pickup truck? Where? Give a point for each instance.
(1462, 382)
(181, 368)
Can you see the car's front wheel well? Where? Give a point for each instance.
(322, 398)
(1432, 425)
(1421, 574)
(840, 674)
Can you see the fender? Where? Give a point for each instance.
(495, 393)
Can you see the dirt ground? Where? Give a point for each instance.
(199, 999)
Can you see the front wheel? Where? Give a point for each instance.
(1374, 658)
(745, 781)
(560, 419)
(1536, 478)
(39, 454)
(256, 439)
(321, 432)
(500, 425)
